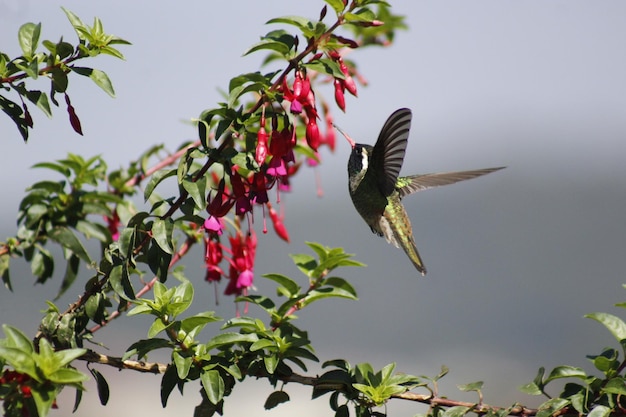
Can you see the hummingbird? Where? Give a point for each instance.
(377, 189)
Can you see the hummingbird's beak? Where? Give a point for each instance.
(345, 135)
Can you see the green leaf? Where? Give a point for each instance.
(5, 260)
(456, 411)
(326, 66)
(75, 21)
(600, 411)
(197, 191)
(40, 99)
(66, 376)
(158, 325)
(66, 238)
(183, 364)
(142, 347)
(472, 386)
(162, 230)
(615, 385)
(291, 288)
(565, 371)
(271, 363)
(225, 339)
(28, 36)
(276, 398)
(280, 41)
(120, 282)
(213, 385)
(155, 179)
(16, 339)
(98, 77)
(614, 324)
(551, 406)
(337, 5)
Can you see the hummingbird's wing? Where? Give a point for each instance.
(414, 183)
(388, 154)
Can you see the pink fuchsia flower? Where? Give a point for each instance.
(213, 224)
(212, 257)
(241, 270)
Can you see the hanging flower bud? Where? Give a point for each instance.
(261, 146)
(348, 81)
(279, 226)
(312, 134)
(340, 98)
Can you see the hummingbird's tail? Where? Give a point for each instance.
(411, 251)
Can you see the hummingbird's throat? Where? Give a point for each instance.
(364, 159)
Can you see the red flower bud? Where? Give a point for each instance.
(312, 134)
(261, 146)
(297, 85)
(279, 226)
(340, 98)
(348, 82)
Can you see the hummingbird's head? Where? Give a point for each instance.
(359, 158)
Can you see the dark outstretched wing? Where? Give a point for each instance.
(388, 154)
(414, 183)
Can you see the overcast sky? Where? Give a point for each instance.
(515, 259)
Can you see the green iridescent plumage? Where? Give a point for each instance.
(377, 189)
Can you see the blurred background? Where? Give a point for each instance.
(515, 259)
